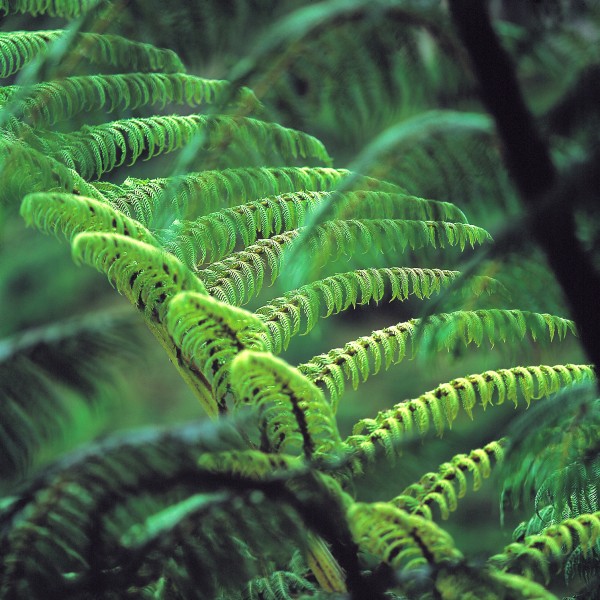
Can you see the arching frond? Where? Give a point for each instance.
(212, 237)
(145, 274)
(72, 214)
(68, 9)
(47, 103)
(209, 335)
(331, 240)
(196, 194)
(240, 276)
(301, 308)
(95, 150)
(44, 174)
(294, 413)
(18, 48)
(535, 555)
(403, 541)
(445, 487)
(366, 355)
(442, 405)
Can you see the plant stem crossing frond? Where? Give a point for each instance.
(366, 355)
(196, 194)
(284, 316)
(294, 413)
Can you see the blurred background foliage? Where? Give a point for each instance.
(346, 81)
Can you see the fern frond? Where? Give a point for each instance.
(44, 174)
(450, 482)
(293, 411)
(442, 405)
(18, 48)
(209, 334)
(401, 540)
(72, 214)
(366, 355)
(95, 150)
(57, 381)
(331, 240)
(285, 316)
(240, 276)
(534, 556)
(145, 274)
(47, 103)
(254, 464)
(212, 237)
(68, 9)
(197, 194)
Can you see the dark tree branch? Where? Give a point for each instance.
(530, 165)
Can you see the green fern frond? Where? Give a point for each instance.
(212, 237)
(445, 487)
(240, 276)
(47, 103)
(72, 214)
(68, 9)
(368, 354)
(401, 540)
(95, 150)
(145, 274)
(533, 557)
(19, 48)
(197, 194)
(44, 174)
(285, 316)
(331, 240)
(255, 464)
(442, 405)
(209, 334)
(293, 411)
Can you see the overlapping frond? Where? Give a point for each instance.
(95, 150)
(402, 540)
(45, 104)
(71, 214)
(445, 487)
(300, 309)
(145, 274)
(441, 406)
(195, 194)
(44, 174)
(368, 354)
(535, 555)
(18, 48)
(208, 335)
(293, 411)
(330, 241)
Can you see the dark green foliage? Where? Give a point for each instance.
(191, 192)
